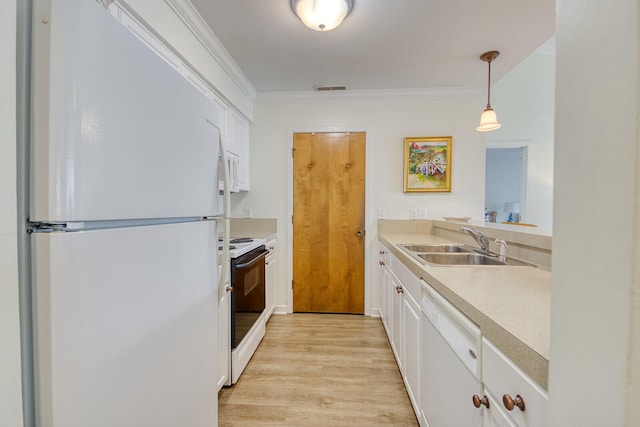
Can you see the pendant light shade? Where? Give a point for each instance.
(488, 120)
(321, 15)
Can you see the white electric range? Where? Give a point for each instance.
(246, 319)
(241, 245)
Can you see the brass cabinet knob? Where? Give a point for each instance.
(509, 403)
(381, 262)
(478, 402)
(399, 289)
(382, 252)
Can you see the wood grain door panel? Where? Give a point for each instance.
(328, 194)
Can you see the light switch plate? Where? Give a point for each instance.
(413, 213)
(422, 213)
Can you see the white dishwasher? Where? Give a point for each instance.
(450, 365)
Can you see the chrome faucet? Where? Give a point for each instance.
(479, 237)
(503, 250)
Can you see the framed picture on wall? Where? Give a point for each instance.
(427, 164)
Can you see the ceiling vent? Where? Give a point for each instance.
(318, 88)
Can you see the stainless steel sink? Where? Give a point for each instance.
(435, 248)
(454, 254)
(459, 259)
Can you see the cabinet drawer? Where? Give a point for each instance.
(271, 246)
(384, 253)
(501, 377)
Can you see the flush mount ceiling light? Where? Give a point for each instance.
(321, 15)
(488, 120)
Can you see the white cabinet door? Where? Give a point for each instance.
(502, 376)
(397, 330)
(411, 342)
(270, 278)
(239, 144)
(238, 132)
(387, 300)
(384, 280)
(223, 115)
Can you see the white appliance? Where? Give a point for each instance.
(123, 191)
(232, 359)
(450, 364)
(242, 245)
(247, 303)
(233, 165)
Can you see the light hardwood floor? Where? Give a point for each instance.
(319, 370)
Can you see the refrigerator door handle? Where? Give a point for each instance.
(225, 282)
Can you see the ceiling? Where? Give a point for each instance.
(382, 44)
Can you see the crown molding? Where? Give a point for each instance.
(198, 26)
(380, 94)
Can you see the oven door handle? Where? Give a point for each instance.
(253, 261)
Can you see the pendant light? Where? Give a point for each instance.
(488, 120)
(321, 15)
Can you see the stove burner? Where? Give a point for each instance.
(241, 240)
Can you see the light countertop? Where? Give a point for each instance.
(511, 305)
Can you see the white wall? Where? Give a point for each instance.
(524, 101)
(387, 121)
(10, 381)
(595, 327)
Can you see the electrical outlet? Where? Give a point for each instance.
(413, 213)
(248, 212)
(422, 213)
(382, 213)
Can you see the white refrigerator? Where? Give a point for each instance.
(123, 191)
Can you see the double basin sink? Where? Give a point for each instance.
(455, 255)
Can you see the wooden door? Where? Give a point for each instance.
(328, 222)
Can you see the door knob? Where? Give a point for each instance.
(359, 232)
(509, 403)
(478, 402)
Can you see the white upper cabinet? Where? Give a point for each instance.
(234, 130)
(239, 144)
(223, 115)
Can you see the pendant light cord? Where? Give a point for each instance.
(489, 87)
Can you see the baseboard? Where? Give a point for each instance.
(281, 309)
